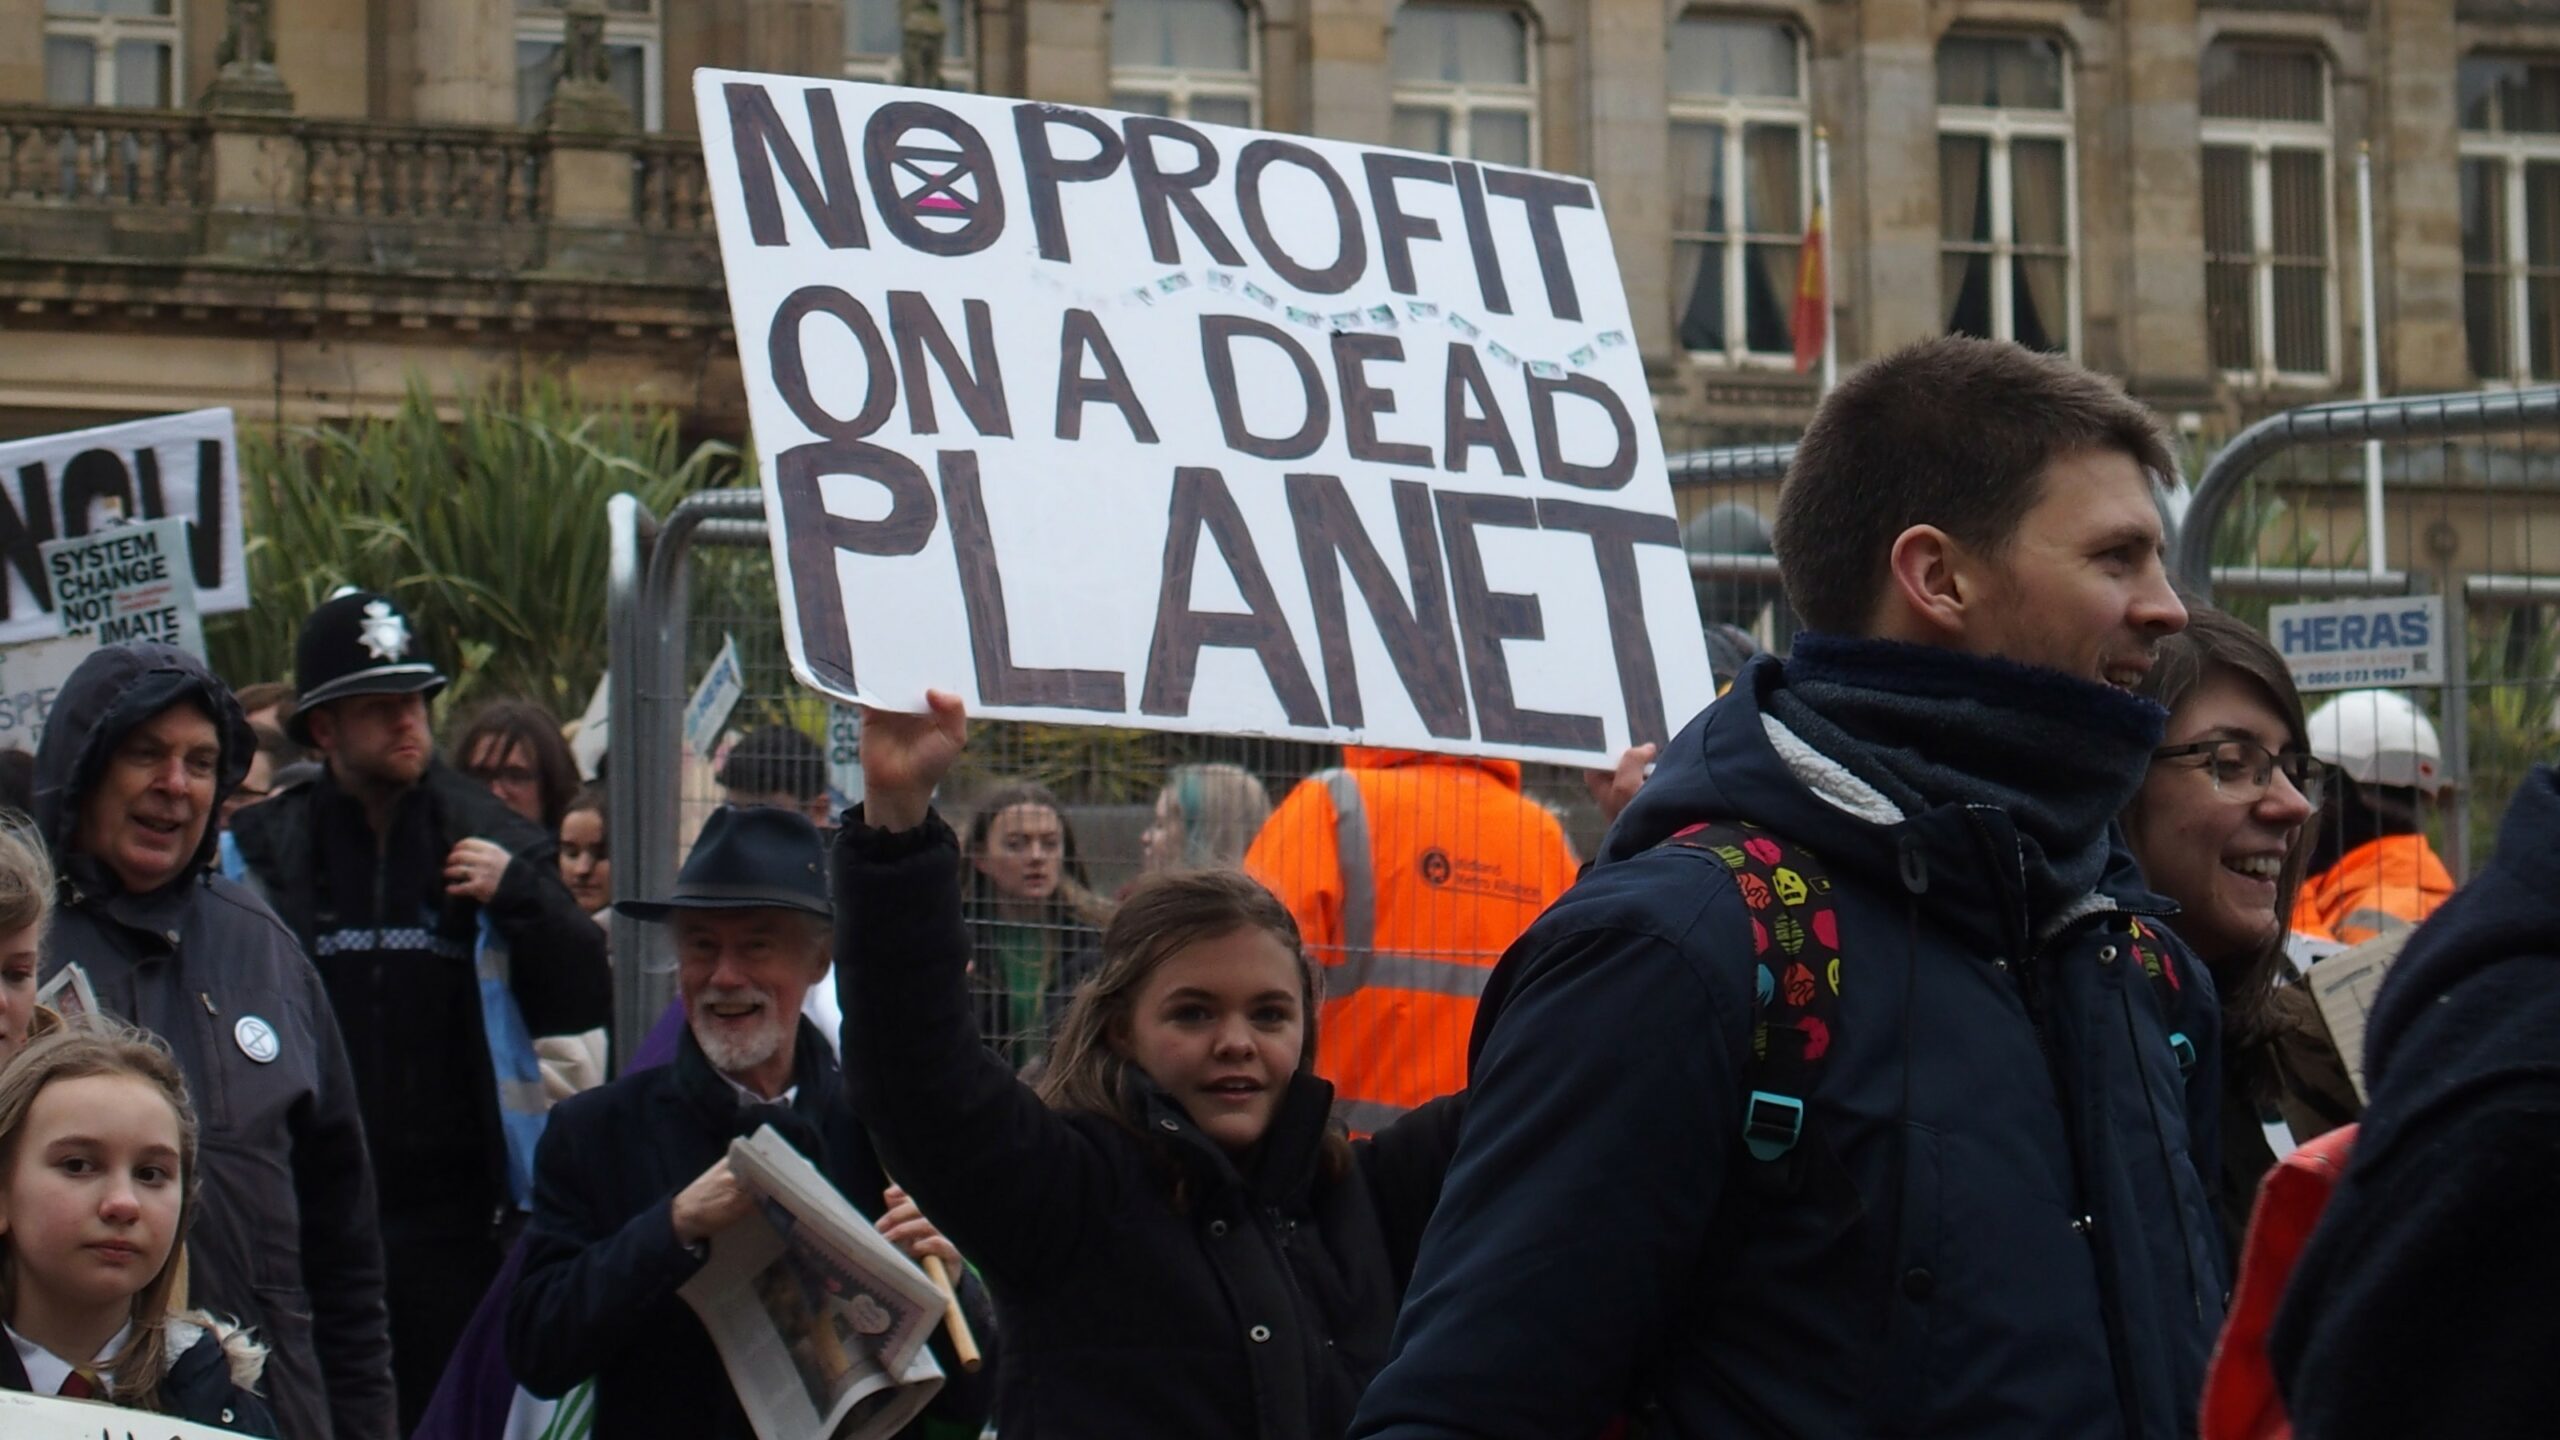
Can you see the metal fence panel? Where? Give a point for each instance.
(704, 579)
(2469, 509)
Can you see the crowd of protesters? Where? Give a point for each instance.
(1910, 1057)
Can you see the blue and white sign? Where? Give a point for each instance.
(2396, 640)
(707, 713)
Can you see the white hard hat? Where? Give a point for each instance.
(2379, 738)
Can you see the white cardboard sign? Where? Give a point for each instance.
(42, 1417)
(707, 713)
(125, 583)
(31, 676)
(183, 467)
(2394, 641)
(1116, 419)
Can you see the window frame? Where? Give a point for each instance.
(2510, 152)
(550, 26)
(1733, 113)
(2261, 139)
(1460, 100)
(105, 32)
(2002, 125)
(959, 71)
(1176, 86)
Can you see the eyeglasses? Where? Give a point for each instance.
(2242, 770)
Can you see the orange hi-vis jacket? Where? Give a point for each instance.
(1409, 875)
(2386, 884)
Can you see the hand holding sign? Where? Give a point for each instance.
(905, 756)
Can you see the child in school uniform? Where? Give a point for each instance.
(1178, 1239)
(97, 1183)
(26, 903)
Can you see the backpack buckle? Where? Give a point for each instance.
(2185, 1050)
(1771, 1124)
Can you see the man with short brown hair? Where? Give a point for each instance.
(1856, 1090)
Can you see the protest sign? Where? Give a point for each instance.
(707, 713)
(181, 467)
(1119, 419)
(31, 676)
(42, 1417)
(844, 753)
(126, 582)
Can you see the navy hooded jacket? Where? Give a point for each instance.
(2423, 1304)
(2000, 1230)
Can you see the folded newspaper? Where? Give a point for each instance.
(821, 1323)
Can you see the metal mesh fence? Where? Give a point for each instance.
(1058, 822)
(2469, 510)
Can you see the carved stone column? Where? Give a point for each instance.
(590, 221)
(245, 77)
(583, 100)
(920, 62)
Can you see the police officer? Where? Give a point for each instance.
(445, 937)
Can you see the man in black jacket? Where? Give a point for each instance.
(440, 925)
(143, 746)
(1893, 1117)
(633, 1179)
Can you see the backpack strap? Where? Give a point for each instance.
(2160, 966)
(1795, 997)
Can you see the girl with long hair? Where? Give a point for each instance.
(97, 1186)
(1034, 921)
(1178, 1238)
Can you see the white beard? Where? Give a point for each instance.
(731, 1051)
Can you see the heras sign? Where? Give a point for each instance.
(62, 486)
(1122, 420)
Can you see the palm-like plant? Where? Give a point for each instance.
(488, 527)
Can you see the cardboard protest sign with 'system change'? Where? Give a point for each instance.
(180, 467)
(1125, 420)
(126, 583)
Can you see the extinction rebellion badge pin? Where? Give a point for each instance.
(257, 1039)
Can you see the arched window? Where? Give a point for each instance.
(630, 50)
(2266, 211)
(1740, 162)
(112, 52)
(2008, 217)
(875, 35)
(1189, 59)
(2510, 110)
(1465, 82)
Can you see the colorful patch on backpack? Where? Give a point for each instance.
(1795, 939)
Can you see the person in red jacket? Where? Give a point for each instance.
(1409, 875)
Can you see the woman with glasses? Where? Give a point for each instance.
(2221, 827)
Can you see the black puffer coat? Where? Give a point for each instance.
(1254, 1309)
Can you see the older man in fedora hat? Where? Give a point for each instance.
(445, 938)
(632, 1179)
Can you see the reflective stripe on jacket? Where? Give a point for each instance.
(1409, 875)
(2383, 885)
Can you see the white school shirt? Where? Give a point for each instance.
(46, 1371)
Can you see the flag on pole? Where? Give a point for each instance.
(1813, 296)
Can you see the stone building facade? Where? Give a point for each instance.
(298, 207)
